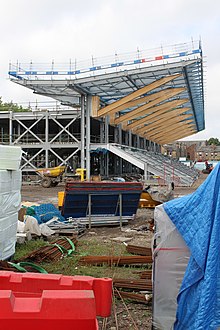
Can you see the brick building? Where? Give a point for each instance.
(192, 150)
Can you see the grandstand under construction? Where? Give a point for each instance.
(120, 111)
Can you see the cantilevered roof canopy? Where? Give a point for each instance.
(158, 97)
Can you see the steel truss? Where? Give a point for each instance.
(52, 138)
(47, 138)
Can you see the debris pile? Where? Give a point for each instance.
(44, 220)
(68, 227)
(146, 200)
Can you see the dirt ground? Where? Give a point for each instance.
(133, 315)
(36, 193)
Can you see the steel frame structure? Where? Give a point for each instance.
(144, 102)
(44, 135)
(32, 132)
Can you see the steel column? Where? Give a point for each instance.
(116, 134)
(107, 129)
(126, 138)
(107, 141)
(138, 141)
(130, 139)
(120, 142)
(46, 140)
(102, 132)
(10, 127)
(88, 113)
(82, 131)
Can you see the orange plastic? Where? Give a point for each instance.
(52, 301)
(60, 198)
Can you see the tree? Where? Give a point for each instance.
(12, 107)
(214, 141)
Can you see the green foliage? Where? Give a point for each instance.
(10, 106)
(214, 141)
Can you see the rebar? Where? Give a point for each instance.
(141, 285)
(145, 274)
(140, 297)
(139, 250)
(53, 251)
(115, 260)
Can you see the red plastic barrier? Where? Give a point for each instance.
(52, 301)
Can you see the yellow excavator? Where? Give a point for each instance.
(50, 177)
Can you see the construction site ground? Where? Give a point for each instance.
(129, 315)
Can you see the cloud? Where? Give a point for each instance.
(43, 31)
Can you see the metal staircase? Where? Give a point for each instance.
(156, 163)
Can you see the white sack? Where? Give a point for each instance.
(32, 225)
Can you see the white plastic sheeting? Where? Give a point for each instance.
(10, 198)
(10, 157)
(171, 256)
(10, 181)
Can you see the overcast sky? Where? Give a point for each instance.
(46, 30)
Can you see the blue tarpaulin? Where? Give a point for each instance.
(46, 212)
(197, 218)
